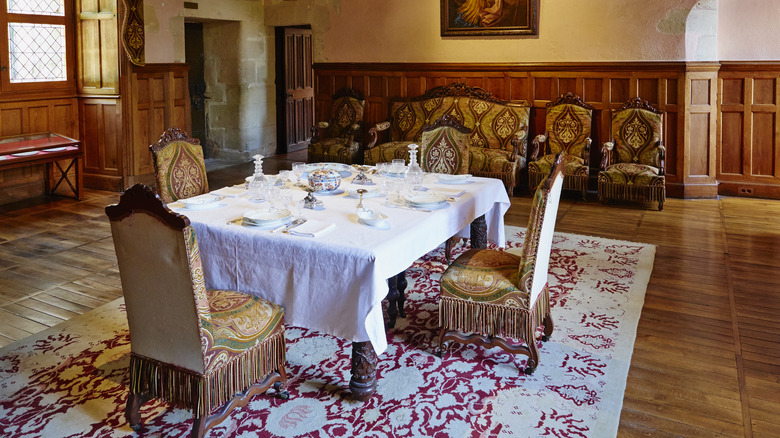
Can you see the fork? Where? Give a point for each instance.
(292, 224)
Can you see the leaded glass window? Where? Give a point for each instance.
(37, 52)
(37, 7)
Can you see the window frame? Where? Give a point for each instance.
(6, 86)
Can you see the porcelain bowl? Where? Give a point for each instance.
(324, 180)
(371, 217)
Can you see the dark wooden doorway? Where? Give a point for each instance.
(294, 88)
(193, 56)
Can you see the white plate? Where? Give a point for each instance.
(370, 193)
(425, 199)
(267, 225)
(384, 225)
(24, 154)
(266, 215)
(55, 149)
(454, 179)
(201, 202)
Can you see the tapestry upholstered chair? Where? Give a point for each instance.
(338, 140)
(179, 167)
(632, 164)
(195, 348)
(490, 295)
(567, 126)
(445, 149)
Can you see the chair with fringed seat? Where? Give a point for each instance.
(179, 166)
(491, 297)
(338, 140)
(632, 164)
(445, 149)
(568, 127)
(207, 351)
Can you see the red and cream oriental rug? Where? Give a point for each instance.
(72, 381)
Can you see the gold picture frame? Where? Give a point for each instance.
(489, 17)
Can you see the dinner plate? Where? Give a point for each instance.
(454, 179)
(267, 225)
(24, 154)
(266, 215)
(201, 202)
(425, 199)
(383, 225)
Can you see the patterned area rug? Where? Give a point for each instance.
(71, 380)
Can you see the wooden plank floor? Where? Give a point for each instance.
(707, 356)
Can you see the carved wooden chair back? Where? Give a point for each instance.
(568, 125)
(445, 147)
(179, 166)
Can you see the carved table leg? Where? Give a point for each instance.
(479, 233)
(392, 300)
(363, 381)
(401, 283)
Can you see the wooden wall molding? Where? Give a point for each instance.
(672, 87)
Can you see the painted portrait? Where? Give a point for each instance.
(489, 17)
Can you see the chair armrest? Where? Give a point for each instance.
(661, 159)
(606, 154)
(319, 130)
(373, 133)
(519, 143)
(537, 146)
(586, 153)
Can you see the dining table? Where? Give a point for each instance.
(334, 278)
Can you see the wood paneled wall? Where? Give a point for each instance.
(24, 117)
(685, 93)
(748, 161)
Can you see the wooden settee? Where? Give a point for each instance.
(499, 129)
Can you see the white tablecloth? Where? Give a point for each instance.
(335, 283)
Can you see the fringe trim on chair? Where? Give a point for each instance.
(632, 193)
(200, 393)
(570, 182)
(508, 180)
(493, 319)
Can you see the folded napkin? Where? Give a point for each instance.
(312, 228)
(230, 192)
(455, 193)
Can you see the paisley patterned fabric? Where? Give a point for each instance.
(336, 144)
(636, 173)
(636, 133)
(495, 163)
(180, 171)
(445, 150)
(568, 129)
(575, 170)
(347, 111)
(485, 276)
(333, 150)
(387, 152)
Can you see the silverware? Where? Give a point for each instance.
(292, 224)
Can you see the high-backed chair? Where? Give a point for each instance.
(195, 348)
(490, 295)
(179, 166)
(567, 126)
(445, 149)
(338, 140)
(632, 164)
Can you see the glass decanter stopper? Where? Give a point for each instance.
(258, 185)
(414, 173)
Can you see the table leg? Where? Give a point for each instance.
(363, 381)
(479, 233)
(396, 297)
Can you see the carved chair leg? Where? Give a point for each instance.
(548, 327)
(133, 410)
(198, 427)
(440, 350)
(533, 356)
(660, 205)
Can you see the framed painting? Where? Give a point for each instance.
(489, 17)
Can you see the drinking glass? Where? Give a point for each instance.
(397, 166)
(298, 168)
(297, 205)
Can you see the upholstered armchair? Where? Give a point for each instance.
(338, 140)
(445, 148)
(632, 163)
(567, 128)
(491, 297)
(198, 349)
(179, 167)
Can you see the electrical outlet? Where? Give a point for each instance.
(745, 191)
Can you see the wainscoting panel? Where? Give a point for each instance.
(101, 127)
(749, 136)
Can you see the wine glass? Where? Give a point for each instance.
(298, 168)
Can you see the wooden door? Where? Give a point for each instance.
(298, 90)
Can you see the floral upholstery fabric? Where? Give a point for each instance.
(573, 165)
(180, 171)
(334, 149)
(387, 152)
(336, 138)
(445, 150)
(485, 276)
(347, 111)
(636, 133)
(568, 129)
(236, 323)
(632, 175)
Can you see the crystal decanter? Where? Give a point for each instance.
(258, 185)
(414, 173)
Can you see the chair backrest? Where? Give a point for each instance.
(567, 124)
(445, 147)
(348, 108)
(538, 237)
(637, 128)
(162, 278)
(179, 167)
